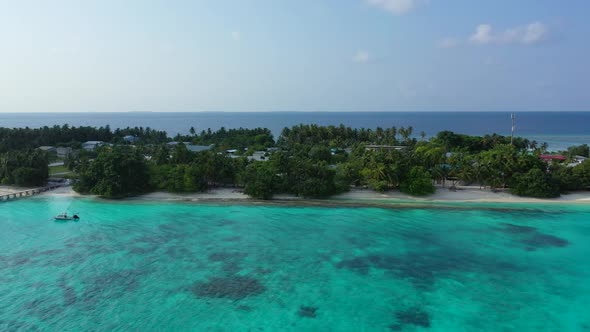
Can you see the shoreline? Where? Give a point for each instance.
(355, 197)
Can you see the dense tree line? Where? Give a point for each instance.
(179, 170)
(451, 141)
(115, 172)
(27, 138)
(342, 136)
(24, 168)
(297, 175)
(142, 135)
(223, 139)
(578, 150)
(315, 161)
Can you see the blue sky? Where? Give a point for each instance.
(299, 55)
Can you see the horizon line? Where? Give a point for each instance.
(192, 112)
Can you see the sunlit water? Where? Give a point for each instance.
(150, 266)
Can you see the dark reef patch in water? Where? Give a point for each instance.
(517, 229)
(177, 230)
(69, 293)
(177, 252)
(263, 271)
(361, 243)
(65, 259)
(226, 256)
(153, 241)
(140, 250)
(43, 308)
(533, 238)
(307, 312)
(412, 316)
(231, 260)
(96, 249)
(234, 287)
(49, 252)
(69, 296)
(13, 325)
(231, 267)
(14, 260)
(540, 240)
(111, 285)
(245, 308)
(422, 268)
(360, 265)
(232, 239)
(226, 222)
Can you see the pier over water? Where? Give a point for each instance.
(28, 192)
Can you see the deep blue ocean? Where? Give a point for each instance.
(559, 129)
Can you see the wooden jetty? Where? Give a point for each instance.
(26, 193)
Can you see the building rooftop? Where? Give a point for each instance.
(384, 147)
(259, 156)
(547, 157)
(198, 148)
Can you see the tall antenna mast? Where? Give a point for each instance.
(513, 117)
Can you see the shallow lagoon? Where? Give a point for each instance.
(155, 266)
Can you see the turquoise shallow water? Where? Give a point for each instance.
(149, 266)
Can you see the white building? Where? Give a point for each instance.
(130, 138)
(92, 145)
(259, 156)
(47, 148)
(63, 152)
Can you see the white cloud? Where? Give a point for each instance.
(397, 7)
(361, 57)
(449, 43)
(236, 35)
(534, 32)
(530, 34)
(482, 35)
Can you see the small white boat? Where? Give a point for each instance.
(64, 217)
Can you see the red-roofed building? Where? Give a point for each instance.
(552, 157)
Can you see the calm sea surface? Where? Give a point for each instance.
(152, 266)
(559, 129)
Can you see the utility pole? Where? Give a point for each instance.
(513, 117)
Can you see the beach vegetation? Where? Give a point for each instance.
(418, 182)
(535, 183)
(305, 161)
(118, 172)
(24, 168)
(565, 178)
(261, 180)
(579, 150)
(581, 173)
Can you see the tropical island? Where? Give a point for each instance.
(307, 161)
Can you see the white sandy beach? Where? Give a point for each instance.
(461, 195)
(470, 194)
